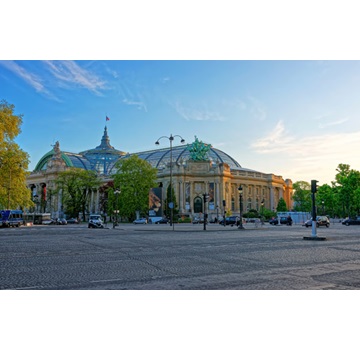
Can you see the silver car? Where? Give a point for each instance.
(140, 221)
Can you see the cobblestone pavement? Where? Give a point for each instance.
(183, 257)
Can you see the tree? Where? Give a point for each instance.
(9, 122)
(281, 205)
(14, 161)
(302, 196)
(171, 197)
(76, 185)
(325, 199)
(347, 181)
(134, 177)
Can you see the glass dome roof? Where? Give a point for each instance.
(103, 158)
(159, 158)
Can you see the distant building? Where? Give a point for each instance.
(193, 173)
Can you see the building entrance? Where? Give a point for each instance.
(198, 205)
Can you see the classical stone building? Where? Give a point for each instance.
(213, 172)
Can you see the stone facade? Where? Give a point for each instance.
(191, 180)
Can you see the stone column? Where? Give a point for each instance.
(97, 201)
(272, 198)
(181, 197)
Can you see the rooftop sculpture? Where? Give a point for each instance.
(198, 150)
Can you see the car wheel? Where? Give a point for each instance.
(327, 225)
(347, 224)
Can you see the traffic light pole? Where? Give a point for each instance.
(313, 213)
(314, 233)
(313, 226)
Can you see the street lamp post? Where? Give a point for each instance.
(171, 204)
(262, 211)
(262, 207)
(240, 189)
(206, 198)
(116, 192)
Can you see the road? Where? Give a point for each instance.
(156, 257)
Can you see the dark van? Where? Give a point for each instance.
(11, 218)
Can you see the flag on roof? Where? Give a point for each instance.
(107, 118)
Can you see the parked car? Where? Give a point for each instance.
(140, 221)
(55, 222)
(231, 220)
(320, 221)
(214, 221)
(349, 221)
(72, 221)
(95, 222)
(162, 221)
(198, 220)
(274, 221)
(49, 222)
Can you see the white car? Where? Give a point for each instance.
(140, 221)
(95, 222)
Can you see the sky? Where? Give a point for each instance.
(294, 118)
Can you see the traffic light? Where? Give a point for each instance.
(206, 197)
(314, 186)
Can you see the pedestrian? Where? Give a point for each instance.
(289, 220)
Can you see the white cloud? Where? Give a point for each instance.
(333, 123)
(30, 78)
(275, 141)
(298, 156)
(138, 104)
(71, 73)
(198, 115)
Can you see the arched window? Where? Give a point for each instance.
(198, 205)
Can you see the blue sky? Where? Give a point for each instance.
(298, 119)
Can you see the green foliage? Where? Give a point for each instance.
(268, 214)
(281, 205)
(184, 220)
(302, 196)
(341, 199)
(76, 185)
(252, 213)
(229, 213)
(346, 184)
(14, 161)
(134, 177)
(170, 196)
(326, 200)
(9, 122)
